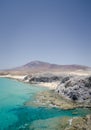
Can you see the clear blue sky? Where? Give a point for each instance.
(56, 31)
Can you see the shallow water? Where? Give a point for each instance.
(15, 116)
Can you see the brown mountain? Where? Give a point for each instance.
(39, 66)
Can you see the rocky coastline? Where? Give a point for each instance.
(63, 89)
(65, 92)
(71, 91)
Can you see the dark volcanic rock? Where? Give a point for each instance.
(44, 79)
(65, 79)
(73, 95)
(76, 88)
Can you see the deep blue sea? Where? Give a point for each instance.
(15, 116)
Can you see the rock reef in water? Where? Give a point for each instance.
(80, 123)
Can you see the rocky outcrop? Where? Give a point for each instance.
(75, 88)
(45, 78)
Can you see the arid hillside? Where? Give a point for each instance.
(43, 67)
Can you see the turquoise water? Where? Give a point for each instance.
(15, 116)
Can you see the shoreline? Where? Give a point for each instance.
(51, 85)
(50, 98)
(17, 77)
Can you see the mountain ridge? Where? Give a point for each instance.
(41, 66)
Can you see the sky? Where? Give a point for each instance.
(55, 31)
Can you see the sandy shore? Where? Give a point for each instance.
(51, 85)
(18, 77)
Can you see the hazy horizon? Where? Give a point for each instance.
(54, 31)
